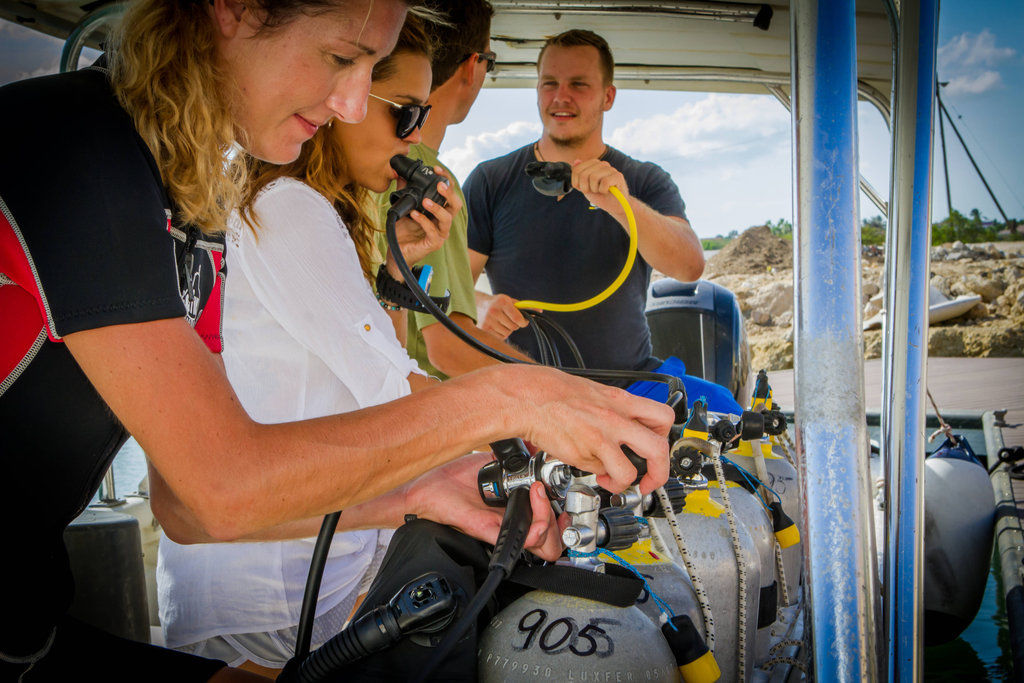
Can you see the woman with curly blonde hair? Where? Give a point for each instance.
(305, 337)
(112, 202)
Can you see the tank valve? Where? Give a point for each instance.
(685, 461)
(774, 422)
(751, 425)
(676, 494)
(618, 529)
(724, 432)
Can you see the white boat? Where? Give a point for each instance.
(862, 621)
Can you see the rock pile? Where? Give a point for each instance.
(757, 267)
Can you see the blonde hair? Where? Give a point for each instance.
(165, 74)
(322, 162)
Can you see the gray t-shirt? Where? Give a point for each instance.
(564, 251)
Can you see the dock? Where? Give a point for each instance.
(961, 385)
(956, 384)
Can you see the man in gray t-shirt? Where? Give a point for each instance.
(569, 248)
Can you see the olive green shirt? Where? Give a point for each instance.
(450, 263)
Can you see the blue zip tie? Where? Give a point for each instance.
(659, 603)
(752, 479)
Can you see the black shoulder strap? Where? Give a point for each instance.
(617, 587)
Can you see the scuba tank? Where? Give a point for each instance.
(773, 469)
(708, 540)
(667, 583)
(562, 637)
(958, 521)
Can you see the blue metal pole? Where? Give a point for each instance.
(830, 425)
(905, 346)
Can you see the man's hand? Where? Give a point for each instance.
(449, 495)
(595, 178)
(497, 314)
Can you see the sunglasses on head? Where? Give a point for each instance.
(488, 57)
(409, 116)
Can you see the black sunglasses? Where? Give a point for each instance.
(409, 116)
(489, 57)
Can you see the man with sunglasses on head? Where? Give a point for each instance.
(569, 248)
(461, 61)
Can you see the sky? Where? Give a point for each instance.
(730, 155)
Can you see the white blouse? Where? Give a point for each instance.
(304, 337)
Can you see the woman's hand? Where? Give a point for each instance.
(449, 495)
(418, 234)
(584, 423)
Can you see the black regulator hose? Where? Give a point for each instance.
(507, 549)
(394, 213)
(312, 590)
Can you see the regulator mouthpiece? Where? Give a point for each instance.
(421, 183)
(550, 178)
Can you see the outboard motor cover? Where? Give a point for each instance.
(700, 323)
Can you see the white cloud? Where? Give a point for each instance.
(968, 62)
(719, 127)
(973, 84)
(973, 49)
(476, 148)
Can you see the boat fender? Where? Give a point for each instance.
(959, 449)
(784, 527)
(696, 662)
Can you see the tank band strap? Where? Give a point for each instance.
(616, 587)
(661, 604)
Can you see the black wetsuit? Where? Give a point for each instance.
(87, 240)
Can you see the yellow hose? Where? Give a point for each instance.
(595, 300)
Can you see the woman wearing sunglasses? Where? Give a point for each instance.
(305, 336)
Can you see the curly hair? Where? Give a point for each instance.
(166, 75)
(322, 162)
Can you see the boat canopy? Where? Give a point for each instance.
(700, 45)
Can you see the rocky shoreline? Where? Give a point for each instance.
(757, 266)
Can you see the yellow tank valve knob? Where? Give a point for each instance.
(695, 661)
(785, 528)
(704, 669)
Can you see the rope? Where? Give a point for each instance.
(665, 608)
(781, 569)
(785, 643)
(785, 660)
(698, 585)
(944, 427)
(741, 572)
(788, 449)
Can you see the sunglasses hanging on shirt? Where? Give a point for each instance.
(409, 116)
